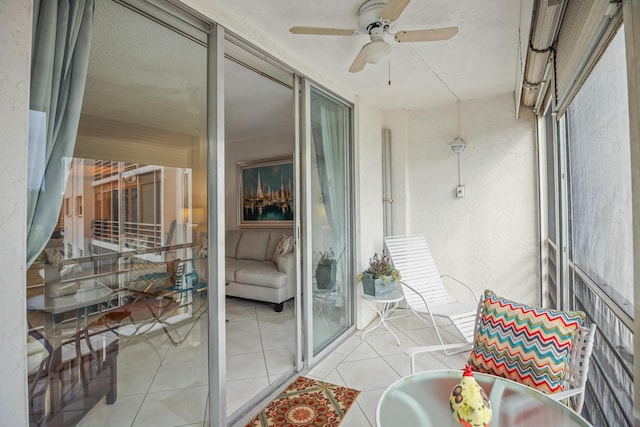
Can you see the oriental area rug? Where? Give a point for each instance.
(307, 402)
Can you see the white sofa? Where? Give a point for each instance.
(250, 271)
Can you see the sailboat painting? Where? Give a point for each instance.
(266, 192)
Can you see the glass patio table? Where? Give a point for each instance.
(422, 399)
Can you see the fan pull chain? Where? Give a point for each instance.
(389, 69)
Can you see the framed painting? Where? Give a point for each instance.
(265, 193)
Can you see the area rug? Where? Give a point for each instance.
(307, 402)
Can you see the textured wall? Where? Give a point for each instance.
(15, 47)
(368, 178)
(489, 237)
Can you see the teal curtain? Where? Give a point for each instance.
(60, 58)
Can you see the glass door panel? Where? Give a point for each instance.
(260, 258)
(330, 211)
(117, 301)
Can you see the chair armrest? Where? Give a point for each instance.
(413, 351)
(561, 395)
(464, 285)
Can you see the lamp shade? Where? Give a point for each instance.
(377, 51)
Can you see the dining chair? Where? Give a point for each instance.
(64, 383)
(424, 289)
(548, 350)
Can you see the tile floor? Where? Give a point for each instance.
(163, 385)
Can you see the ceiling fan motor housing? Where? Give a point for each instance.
(370, 17)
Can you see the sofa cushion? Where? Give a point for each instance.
(274, 238)
(253, 245)
(231, 265)
(231, 243)
(261, 274)
(529, 345)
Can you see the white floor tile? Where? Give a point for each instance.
(187, 352)
(173, 408)
(385, 344)
(277, 322)
(368, 402)
(180, 374)
(334, 378)
(423, 336)
(407, 321)
(243, 342)
(240, 392)
(141, 354)
(243, 366)
(260, 345)
(136, 380)
(325, 367)
(278, 338)
(350, 344)
(121, 413)
(367, 374)
(245, 325)
(363, 351)
(355, 418)
(279, 361)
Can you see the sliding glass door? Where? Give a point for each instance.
(117, 287)
(329, 128)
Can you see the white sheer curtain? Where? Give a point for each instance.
(328, 123)
(61, 42)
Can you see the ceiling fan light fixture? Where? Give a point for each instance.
(377, 51)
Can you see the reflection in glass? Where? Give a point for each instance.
(332, 286)
(117, 303)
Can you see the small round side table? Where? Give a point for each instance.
(388, 302)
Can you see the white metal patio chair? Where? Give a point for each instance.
(424, 290)
(575, 373)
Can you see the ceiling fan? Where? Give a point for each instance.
(377, 18)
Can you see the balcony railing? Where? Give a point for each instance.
(136, 234)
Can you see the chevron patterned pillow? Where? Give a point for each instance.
(525, 344)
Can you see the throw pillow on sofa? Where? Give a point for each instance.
(282, 248)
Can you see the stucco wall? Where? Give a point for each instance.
(15, 33)
(488, 238)
(368, 198)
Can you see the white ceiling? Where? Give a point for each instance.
(134, 79)
(481, 60)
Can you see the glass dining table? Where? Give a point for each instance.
(422, 400)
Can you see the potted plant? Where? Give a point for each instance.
(380, 277)
(326, 270)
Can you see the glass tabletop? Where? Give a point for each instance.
(89, 293)
(422, 399)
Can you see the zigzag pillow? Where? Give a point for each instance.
(525, 344)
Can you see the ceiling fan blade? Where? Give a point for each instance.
(430, 35)
(393, 9)
(321, 31)
(359, 62)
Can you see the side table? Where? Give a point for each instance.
(388, 302)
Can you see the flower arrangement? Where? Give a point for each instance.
(380, 267)
(327, 257)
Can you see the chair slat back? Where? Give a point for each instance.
(412, 257)
(577, 368)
